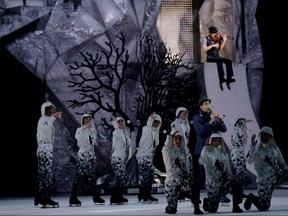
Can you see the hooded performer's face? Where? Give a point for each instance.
(155, 123)
(120, 123)
(177, 140)
(183, 115)
(49, 110)
(216, 142)
(87, 120)
(265, 139)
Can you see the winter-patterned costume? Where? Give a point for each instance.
(183, 127)
(175, 160)
(120, 153)
(147, 145)
(270, 167)
(218, 173)
(45, 140)
(86, 136)
(239, 139)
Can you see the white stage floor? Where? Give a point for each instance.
(25, 206)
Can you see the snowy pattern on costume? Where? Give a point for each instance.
(175, 160)
(147, 145)
(119, 169)
(183, 126)
(120, 152)
(147, 171)
(86, 140)
(218, 174)
(45, 140)
(85, 168)
(239, 140)
(45, 161)
(269, 165)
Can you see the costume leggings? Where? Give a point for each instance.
(146, 171)
(120, 171)
(85, 168)
(265, 191)
(45, 161)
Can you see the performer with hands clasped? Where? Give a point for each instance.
(119, 157)
(86, 136)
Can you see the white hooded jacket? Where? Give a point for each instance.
(183, 126)
(45, 130)
(209, 156)
(170, 154)
(149, 138)
(269, 161)
(120, 142)
(86, 138)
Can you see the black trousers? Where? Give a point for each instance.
(220, 61)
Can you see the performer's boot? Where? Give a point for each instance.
(96, 196)
(197, 210)
(123, 199)
(73, 200)
(141, 194)
(236, 208)
(252, 199)
(149, 197)
(116, 196)
(50, 202)
(248, 202)
(205, 204)
(230, 80)
(36, 199)
(170, 210)
(40, 199)
(237, 199)
(152, 199)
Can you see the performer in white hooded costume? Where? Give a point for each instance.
(182, 124)
(270, 166)
(218, 172)
(239, 139)
(45, 141)
(175, 160)
(178, 172)
(120, 153)
(86, 136)
(148, 142)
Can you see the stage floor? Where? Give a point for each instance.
(25, 206)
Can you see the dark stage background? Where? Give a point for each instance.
(22, 95)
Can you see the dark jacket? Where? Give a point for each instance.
(204, 130)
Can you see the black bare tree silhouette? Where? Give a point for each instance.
(109, 78)
(163, 89)
(165, 82)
